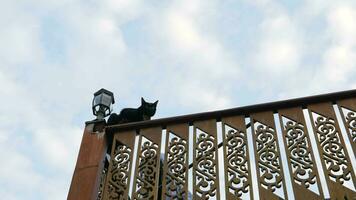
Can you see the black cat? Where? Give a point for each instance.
(144, 112)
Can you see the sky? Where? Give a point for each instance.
(191, 55)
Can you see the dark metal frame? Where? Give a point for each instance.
(244, 110)
(263, 130)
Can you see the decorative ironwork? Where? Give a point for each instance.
(334, 156)
(237, 165)
(350, 119)
(119, 171)
(338, 172)
(102, 184)
(268, 158)
(147, 170)
(206, 172)
(176, 172)
(299, 149)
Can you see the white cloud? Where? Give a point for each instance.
(342, 24)
(201, 97)
(204, 61)
(59, 146)
(309, 47)
(180, 59)
(182, 24)
(39, 103)
(183, 32)
(280, 45)
(17, 168)
(338, 62)
(19, 36)
(31, 141)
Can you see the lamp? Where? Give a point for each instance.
(102, 103)
(102, 107)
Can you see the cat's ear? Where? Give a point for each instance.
(156, 102)
(142, 100)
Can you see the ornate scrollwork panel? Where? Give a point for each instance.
(176, 175)
(268, 159)
(117, 185)
(333, 152)
(147, 174)
(102, 184)
(300, 154)
(119, 167)
(350, 123)
(235, 147)
(205, 167)
(347, 110)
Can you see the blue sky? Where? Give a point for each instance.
(192, 55)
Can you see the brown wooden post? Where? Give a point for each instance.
(86, 176)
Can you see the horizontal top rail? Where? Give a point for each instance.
(244, 110)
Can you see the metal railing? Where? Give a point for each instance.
(250, 165)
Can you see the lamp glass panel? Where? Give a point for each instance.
(97, 100)
(106, 100)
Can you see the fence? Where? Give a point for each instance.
(300, 148)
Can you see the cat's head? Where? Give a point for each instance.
(149, 109)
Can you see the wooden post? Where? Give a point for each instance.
(90, 162)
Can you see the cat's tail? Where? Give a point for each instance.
(114, 119)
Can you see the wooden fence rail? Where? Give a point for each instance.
(300, 148)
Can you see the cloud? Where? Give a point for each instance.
(309, 47)
(55, 54)
(200, 61)
(337, 64)
(34, 147)
(277, 51)
(183, 24)
(200, 97)
(342, 26)
(40, 136)
(280, 45)
(19, 37)
(18, 167)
